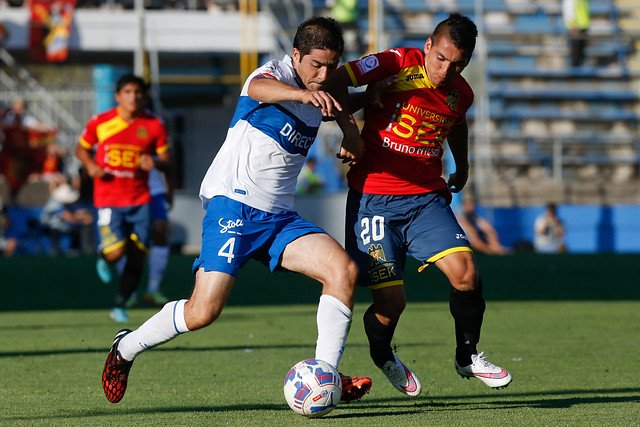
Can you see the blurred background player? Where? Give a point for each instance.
(481, 234)
(248, 193)
(126, 139)
(161, 201)
(398, 201)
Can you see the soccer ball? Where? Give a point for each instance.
(312, 388)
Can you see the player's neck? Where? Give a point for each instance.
(128, 116)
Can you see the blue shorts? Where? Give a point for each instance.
(159, 207)
(381, 230)
(233, 232)
(116, 225)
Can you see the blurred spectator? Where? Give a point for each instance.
(52, 167)
(346, 13)
(63, 217)
(4, 35)
(482, 236)
(24, 146)
(549, 232)
(309, 181)
(8, 245)
(577, 19)
(19, 117)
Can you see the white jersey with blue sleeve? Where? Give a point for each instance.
(265, 147)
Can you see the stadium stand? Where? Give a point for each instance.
(549, 123)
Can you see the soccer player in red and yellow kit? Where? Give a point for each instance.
(398, 202)
(125, 139)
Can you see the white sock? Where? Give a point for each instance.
(158, 260)
(334, 320)
(165, 325)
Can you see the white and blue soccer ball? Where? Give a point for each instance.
(312, 388)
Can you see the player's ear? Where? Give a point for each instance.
(427, 45)
(296, 56)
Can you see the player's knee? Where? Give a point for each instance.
(466, 280)
(343, 275)
(114, 255)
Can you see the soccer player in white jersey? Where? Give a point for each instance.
(248, 196)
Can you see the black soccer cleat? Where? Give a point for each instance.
(116, 371)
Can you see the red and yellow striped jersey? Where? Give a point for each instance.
(404, 139)
(119, 144)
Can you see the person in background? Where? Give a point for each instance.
(577, 18)
(248, 194)
(549, 231)
(309, 181)
(346, 13)
(19, 117)
(129, 141)
(8, 244)
(63, 216)
(158, 259)
(481, 234)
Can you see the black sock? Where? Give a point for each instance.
(129, 281)
(379, 337)
(467, 309)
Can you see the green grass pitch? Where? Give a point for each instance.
(574, 363)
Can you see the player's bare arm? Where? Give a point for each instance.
(163, 161)
(352, 146)
(270, 90)
(458, 139)
(94, 170)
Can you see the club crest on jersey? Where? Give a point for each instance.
(142, 132)
(452, 99)
(367, 64)
(376, 253)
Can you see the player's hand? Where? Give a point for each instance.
(323, 101)
(377, 89)
(95, 171)
(146, 162)
(457, 180)
(351, 149)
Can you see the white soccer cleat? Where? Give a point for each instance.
(480, 368)
(402, 377)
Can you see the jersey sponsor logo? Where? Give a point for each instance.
(129, 174)
(410, 149)
(367, 64)
(460, 236)
(452, 99)
(230, 225)
(380, 269)
(414, 77)
(296, 138)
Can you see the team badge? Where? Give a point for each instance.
(142, 133)
(367, 64)
(377, 254)
(452, 99)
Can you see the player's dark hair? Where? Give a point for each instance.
(460, 29)
(130, 79)
(319, 33)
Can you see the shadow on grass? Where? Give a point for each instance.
(558, 399)
(190, 349)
